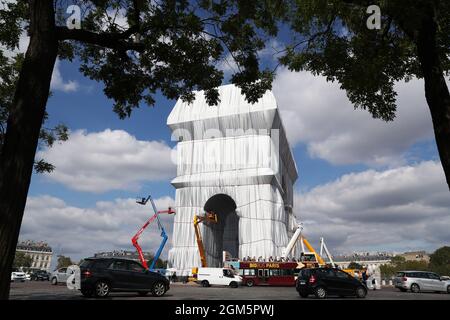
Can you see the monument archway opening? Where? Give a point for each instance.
(224, 235)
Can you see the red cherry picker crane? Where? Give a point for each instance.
(134, 240)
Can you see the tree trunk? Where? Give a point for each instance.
(22, 135)
(436, 90)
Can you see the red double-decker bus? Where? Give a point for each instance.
(269, 273)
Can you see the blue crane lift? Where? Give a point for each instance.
(134, 240)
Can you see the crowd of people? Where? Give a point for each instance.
(271, 259)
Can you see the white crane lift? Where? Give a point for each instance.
(311, 254)
(323, 247)
(287, 251)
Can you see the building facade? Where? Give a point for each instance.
(416, 256)
(40, 252)
(233, 159)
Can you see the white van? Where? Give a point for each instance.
(218, 276)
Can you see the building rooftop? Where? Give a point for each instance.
(31, 245)
(133, 255)
(232, 102)
(232, 117)
(364, 256)
(422, 252)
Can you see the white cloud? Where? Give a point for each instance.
(108, 160)
(58, 83)
(81, 232)
(319, 114)
(397, 209)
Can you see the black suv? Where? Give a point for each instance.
(100, 276)
(40, 275)
(328, 281)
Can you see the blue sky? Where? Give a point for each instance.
(363, 184)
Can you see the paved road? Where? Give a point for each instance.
(45, 291)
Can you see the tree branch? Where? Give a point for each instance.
(116, 41)
(312, 37)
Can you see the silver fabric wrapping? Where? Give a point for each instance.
(247, 158)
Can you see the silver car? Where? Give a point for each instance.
(60, 275)
(417, 281)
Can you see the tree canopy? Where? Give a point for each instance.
(440, 261)
(334, 40)
(22, 260)
(331, 38)
(137, 48)
(64, 262)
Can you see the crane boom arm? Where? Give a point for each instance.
(160, 249)
(135, 238)
(323, 247)
(287, 251)
(209, 217)
(200, 246)
(310, 248)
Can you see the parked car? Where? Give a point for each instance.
(40, 275)
(218, 276)
(17, 276)
(418, 281)
(100, 276)
(60, 275)
(323, 282)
